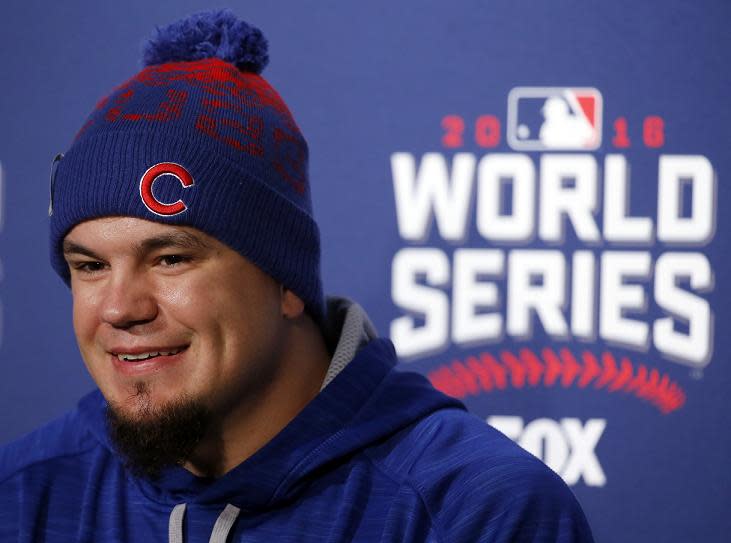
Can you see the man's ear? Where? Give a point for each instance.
(292, 305)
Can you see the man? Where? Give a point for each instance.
(233, 405)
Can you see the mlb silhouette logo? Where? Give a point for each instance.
(554, 118)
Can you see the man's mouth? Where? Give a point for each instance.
(129, 357)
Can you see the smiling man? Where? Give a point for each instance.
(172, 354)
(233, 402)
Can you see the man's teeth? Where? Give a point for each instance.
(145, 356)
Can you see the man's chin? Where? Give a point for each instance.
(152, 434)
(142, 401)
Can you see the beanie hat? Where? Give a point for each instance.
(198, 138)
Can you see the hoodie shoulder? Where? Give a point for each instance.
(48, 476)
(63, 437)
(478, 485)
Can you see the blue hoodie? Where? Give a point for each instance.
(377, 456)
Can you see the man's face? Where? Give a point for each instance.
(163, 313)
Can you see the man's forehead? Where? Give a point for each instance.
(133, 231)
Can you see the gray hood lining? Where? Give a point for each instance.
(349, 323)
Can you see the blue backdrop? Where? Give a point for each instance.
(527, 197)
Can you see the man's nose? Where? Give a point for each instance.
(128, 300)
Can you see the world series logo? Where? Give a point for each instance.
(542, 241)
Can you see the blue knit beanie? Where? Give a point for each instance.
(198, 138)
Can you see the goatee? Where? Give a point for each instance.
(156, 437)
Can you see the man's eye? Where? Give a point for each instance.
(89, 266)
(172, 260)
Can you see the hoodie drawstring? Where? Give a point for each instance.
(223, 525)
(175, 525)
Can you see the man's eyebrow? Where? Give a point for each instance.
(70, 247)
(179, 240)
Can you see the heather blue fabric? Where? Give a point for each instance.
(378, 455)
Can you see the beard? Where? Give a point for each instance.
(157, 437)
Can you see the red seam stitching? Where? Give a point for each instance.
(485, 372)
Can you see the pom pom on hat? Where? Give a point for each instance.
(209, 34)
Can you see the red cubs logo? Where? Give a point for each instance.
(149, 178)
